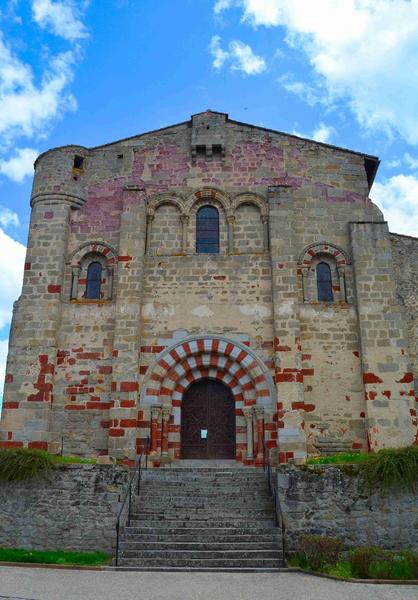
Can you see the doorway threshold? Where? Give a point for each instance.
(203, 464)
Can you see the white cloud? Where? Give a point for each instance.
(62, 17)
(219, 55)
(19, 166)
(323, 133)
(398, 199)
(4, 344)
(362, 51)
(411, 162)
(221, 5)
(8, 217)
(26, 108)
(239, 55)
(393, 163)
(12, 259)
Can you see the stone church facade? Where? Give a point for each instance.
(208, 285)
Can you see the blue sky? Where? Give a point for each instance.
(92, 71)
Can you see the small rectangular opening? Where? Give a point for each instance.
(120, 155)
(216, 150)
(201, 150)
(78, 162)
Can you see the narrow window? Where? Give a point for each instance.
(94, 281)
(78, 162)
(207, 230)
(324, 282)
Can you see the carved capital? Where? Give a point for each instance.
(259, 412)
(248, 413)
(156, 413)
(166, 412)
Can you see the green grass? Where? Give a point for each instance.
(21, 464)
(387, 469)
(392, 468)
(54, 557)
(338, 459)
(391, 566)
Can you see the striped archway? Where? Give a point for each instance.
(209, 357)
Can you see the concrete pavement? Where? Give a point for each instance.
(21, 583)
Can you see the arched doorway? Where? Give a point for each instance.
(208, 421)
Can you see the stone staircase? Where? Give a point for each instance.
(202, 519)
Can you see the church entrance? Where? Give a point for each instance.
(208, 421)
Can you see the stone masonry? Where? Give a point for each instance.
(310, 375)
(326, 500)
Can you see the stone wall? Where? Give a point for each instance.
(76, 365)
(323, 499)
(72, 508)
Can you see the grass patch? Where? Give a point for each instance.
(321, 554)
(339, 459)
(21, 464)
(390, 468)
(53, 557)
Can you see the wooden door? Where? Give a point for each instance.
(208, 407)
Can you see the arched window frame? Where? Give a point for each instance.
(207, 230)
(92, 252)
(324, 282)
(94, 281)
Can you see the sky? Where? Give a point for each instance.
(90, 72)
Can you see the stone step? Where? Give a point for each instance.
(203, 533)
(199, 490)
(198, 546)
(159, 492)
(168, 522)
(207, 563)
(203, 520)
(204, 513)
(167, 569)
(212, 504)
(199, 554)
(202, 476)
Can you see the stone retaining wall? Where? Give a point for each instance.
(326, 500)
(72, 508)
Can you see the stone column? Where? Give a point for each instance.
(284, 250)
(248, 416)
(126, 342)
(231, 222)
(165, 413)
(305, 273)
(109, 283)
(388, 381)
(265, 222)
(259, 417)
(155, 418)
(30, 374)
(150, 218)
(341, 278)
(75, 274)
(184, 224)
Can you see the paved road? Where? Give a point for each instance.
(18, 583)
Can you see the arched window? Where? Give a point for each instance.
(94, 281)
(324, 282)
(207, 230)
